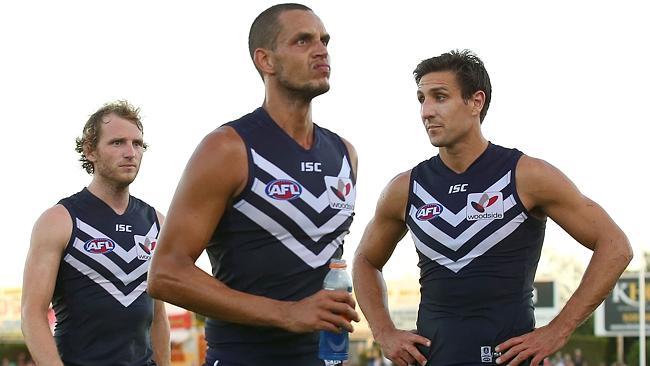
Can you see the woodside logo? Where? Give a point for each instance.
(484, 206)
(144, 246)
(340, 192)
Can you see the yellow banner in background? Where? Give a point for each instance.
(10, 315)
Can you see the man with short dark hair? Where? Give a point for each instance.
(89, 256)
(477, 214)
(270, 197)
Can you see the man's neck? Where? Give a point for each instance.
(116, 197)
(293, 116)
(461, 155)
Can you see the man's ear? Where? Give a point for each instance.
(89, 153)
(264, 61)
(478, 102)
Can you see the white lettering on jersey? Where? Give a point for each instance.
(458, 188)
(310, 166)
(123, 227)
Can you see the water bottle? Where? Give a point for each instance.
(334, 346)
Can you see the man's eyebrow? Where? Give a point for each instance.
(432, 89)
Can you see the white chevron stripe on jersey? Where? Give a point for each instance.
(127, 256)
(279, 232)
(478, 250)
(446, 240)
(111, 266)
(456, 218)
(153, 231)
(125, 300)
(317, 203)
(297, 216)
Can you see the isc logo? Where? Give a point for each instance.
(123, 227)
(310, 166)
(458, 188)
(429, 211)
(283, 189)
(99, 246)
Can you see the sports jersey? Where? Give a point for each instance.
(478, 250)
(278, 236)
(103, 314)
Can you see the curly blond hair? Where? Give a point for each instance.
(91, 131)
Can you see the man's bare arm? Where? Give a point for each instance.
(382, 234)
(50, 236)
(546, 190)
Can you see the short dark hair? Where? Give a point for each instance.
(469, 69)
(91, 131)
(266, 27)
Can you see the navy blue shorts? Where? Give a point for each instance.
(264, 355)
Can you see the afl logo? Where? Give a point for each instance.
(428, 211)
(283, 189)
(99, 246)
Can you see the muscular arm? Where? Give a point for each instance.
(49, 239)
(547, 191)
(379, 239)
(214, 175)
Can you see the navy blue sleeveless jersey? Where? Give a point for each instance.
(478, 250)
(278, 236)
(103, 314)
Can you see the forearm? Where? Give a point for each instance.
(370, 291)
(609, 260)
(191, 288)
(160, 341)
(40, 341)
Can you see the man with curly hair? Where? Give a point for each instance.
(89, 256)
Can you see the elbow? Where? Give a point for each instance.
(29, 316)
(359, 263)
(154, 288)
(617, 250)
(629, 254)
(360, 257)
(626, 251)
(356, 260)
(156, 281)
(168, 277)
(624, 254)
(363, 268)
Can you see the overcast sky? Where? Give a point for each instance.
(569, 81)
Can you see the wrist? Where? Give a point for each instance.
(380, 332)
(563, 328)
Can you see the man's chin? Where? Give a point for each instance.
(437, 142)
(125, 180)
(317, 90)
